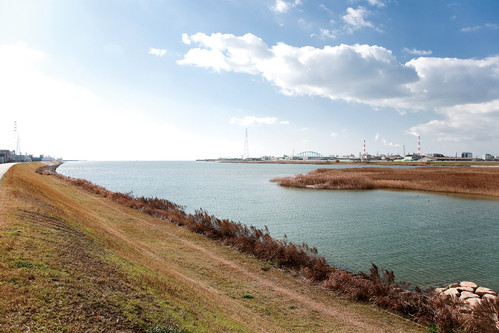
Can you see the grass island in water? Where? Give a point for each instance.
(476, 181)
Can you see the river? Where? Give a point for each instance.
(425, 238)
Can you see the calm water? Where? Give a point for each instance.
(426, 239)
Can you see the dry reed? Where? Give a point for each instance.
(482, 181)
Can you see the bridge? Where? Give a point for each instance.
(309, 153)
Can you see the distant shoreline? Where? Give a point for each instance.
(488, 164)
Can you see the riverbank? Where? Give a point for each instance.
(476, 181)
(74, 260)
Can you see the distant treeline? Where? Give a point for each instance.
(377, 287)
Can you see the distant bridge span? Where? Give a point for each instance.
(309, 153)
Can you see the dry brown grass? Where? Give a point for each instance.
(481, 181)
(72, 260)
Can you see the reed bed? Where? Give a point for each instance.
(378, 287)
(481, 181)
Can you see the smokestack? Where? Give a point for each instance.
(419, 145)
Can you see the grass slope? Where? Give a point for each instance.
(77, 262)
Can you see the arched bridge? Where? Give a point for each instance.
(309, 153)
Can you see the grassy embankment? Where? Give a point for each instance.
(476, 181)
(72, 260)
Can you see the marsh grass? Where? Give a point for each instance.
(481, 181)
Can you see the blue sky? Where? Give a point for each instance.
(180, 80)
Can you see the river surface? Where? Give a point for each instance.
(426, 239)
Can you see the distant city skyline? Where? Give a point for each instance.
(182, 80)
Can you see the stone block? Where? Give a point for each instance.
(453, 292)
(468, 284)
(484, 291)
(466, 294)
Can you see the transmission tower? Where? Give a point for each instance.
(246, 149)
(18, 139)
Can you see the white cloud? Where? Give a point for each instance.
(355, 18)
(412, 132)
(326, 9)
(283, 6)
(334, 135)
(227, 52)
(186, 39)
(417, 52)
(376, 137)
(466, 88)
(446, 82)
(157, 52)
(461, 123)
(251, 120)
(490, 26)
(304, 24)
(329, 33)
(362, 73)
(378, 3)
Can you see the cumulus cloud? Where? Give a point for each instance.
(157, 52)
(417, 52)
(454, 88)
(447, 82)
(186, 39)
(251, 120)
(334, 135)
(281, 6)
(362, 73)
(227, 52)
(475, 121)
(355, 18)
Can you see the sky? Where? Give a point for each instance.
(183, 80)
